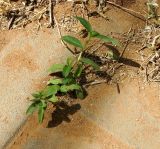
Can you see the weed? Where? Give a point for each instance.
(152, 8)
(71, 72)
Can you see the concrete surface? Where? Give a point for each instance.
(133, 116)
(106, 120)
(24, 59)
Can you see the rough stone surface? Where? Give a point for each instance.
(23, 64)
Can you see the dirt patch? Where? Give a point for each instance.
(19, 60)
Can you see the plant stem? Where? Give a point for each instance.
(80, 55)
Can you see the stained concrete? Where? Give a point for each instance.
(106, 120)
(24, 60)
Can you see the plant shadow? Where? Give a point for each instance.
(125, 61)
(62, 113)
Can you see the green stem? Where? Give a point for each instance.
(85, 45)
(80, 55)
(87, 41)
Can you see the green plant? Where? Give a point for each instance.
(152, 8)
(70, 73)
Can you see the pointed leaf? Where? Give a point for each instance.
(56, 68)
(85, 23)
(80, 94)
(53, 99)
(55, 81)
(66, 88)
(105, 38)
(50, 90)
(69, 61)
(68, 80)
(40, 113)
(73, 41)
(37, 94)
(94, 34)
(44, 104)
(66, 70)
(32, 108)
(90, 62)
(78, 71)
(112, 55)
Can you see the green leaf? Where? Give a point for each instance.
(37, 95)
(80, 94)
(66, 88)
(55, 81)
(112, 55)
(53, 99)
(32, 108)
(56, 68)
(78, 71)
(105, 38)
(68, 80)
(66, 70)
(73, 41)
(44, 104)
(40, 113)
(69, 61)
(90, 62)
(85, 23)
(50, 90)
(94, 34)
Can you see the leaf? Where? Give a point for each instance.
(66, 88)
(55, 81)
(73, 41)
(69, 61)
(32, 108)
(90, 62)
(94, 34)
(78, 71)
(40, 113)
(106, 39)
(66, 70)
(56, 68)
(53, 99)
(50, 90)
(68, 80)
(112, 55)
(44, 105)
(85, 23)
(80, 94)
(37, 95)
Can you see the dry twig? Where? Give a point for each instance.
(60, 34)
(51, 22)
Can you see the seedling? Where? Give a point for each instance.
(68, 81)
(152, 8)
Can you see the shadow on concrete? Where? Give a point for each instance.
(125, 61)
(62, 113)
